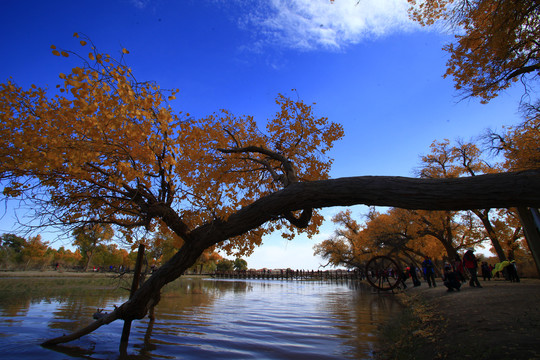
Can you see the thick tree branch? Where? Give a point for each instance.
(501, 190)
(81, 332)
(522, 70)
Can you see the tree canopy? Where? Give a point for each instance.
(496, 41)
(88, 238)
(106, 148)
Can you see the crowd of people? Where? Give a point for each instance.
(460, 271)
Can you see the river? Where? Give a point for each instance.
(200, 319)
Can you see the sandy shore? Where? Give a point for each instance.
(499, 321)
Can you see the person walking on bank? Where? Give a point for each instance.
(429, 271)
(511, 270)
(414, 276)
(471, 264)
(486, 272)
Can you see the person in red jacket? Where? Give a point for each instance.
(471, 264)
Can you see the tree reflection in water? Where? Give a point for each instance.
(199, 318)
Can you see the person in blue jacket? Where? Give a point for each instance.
(429, 271)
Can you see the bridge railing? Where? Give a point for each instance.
(288, 274)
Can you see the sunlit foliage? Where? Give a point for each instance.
(398, 233)
(466, 159)
(106, 148)
(520, 144)
(496, 41)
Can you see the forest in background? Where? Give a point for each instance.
(96, 251)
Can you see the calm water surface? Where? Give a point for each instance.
(203, 319)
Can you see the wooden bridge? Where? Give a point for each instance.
(288, 274)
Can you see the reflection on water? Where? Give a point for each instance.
(205, 318)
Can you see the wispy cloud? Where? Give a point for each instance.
(316, 24)
(140, 4)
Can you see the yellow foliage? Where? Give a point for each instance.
(400, 233)
(110, 148)
(496, 42)
(521, 143)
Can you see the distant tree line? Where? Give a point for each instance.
(95, 251)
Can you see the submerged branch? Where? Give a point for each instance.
(84, 331)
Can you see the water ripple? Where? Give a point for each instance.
(215, 320)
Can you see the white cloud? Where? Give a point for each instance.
(315, 24)
(140, 4)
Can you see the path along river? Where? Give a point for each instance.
(198, 319)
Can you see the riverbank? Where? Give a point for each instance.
(52, 273)
(499, 321)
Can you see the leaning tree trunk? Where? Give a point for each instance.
(134, 286)
(530, 219)
(517, 189)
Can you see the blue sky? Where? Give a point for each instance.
(365, 65)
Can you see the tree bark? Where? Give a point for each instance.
(476, 192)
(530, 220)
(134, 286)
(517, 189)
